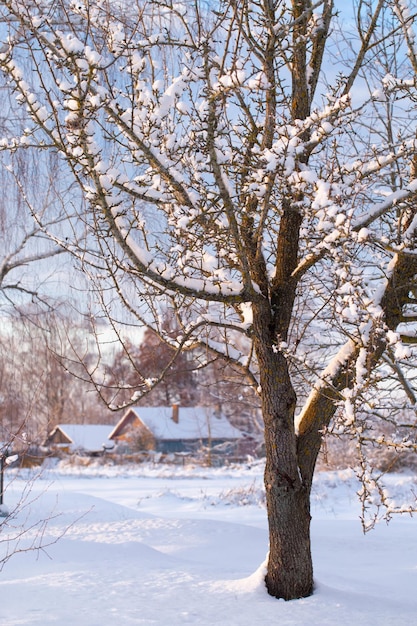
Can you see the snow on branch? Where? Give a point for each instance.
(392, 199)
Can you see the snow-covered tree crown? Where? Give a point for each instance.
(225, 165)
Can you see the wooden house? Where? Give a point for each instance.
(86, 438)
(173, 429)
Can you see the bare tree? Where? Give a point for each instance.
(133, 364)
(28, 267)
(226, 175)
(27, 257)
(37, 392)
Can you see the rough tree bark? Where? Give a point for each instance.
(290, 569)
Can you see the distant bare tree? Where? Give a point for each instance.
(37, 392)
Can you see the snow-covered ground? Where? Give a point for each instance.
(167, 546)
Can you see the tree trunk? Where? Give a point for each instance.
(290, 570)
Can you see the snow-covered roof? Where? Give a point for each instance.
(89, 437)
(193, 423)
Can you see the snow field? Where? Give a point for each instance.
(171, 546)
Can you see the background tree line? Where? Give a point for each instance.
(44, 358)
